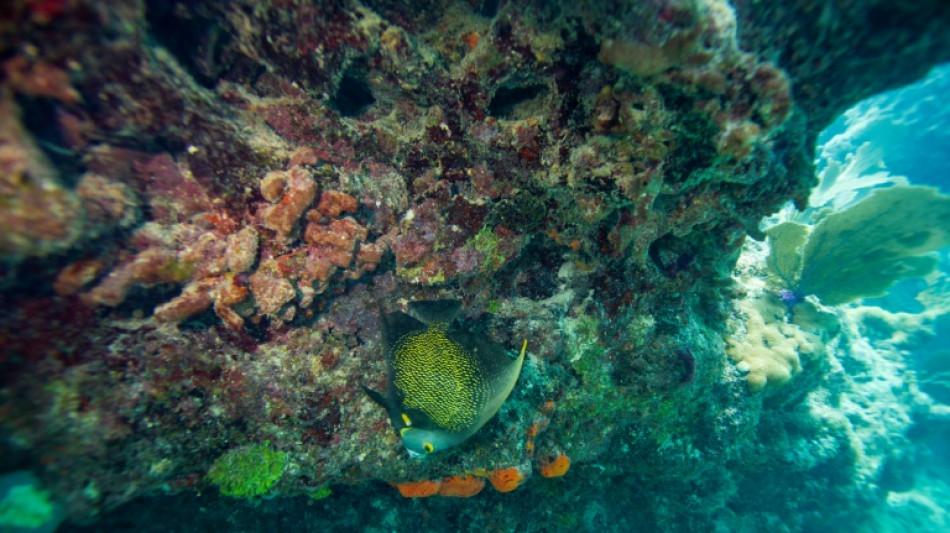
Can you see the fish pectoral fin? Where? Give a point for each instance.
(376, 397)
(381, 400)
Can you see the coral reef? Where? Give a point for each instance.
(205, 206)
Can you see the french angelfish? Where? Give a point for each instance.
(444, 383)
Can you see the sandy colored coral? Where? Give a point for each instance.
(766, 346)
(369, 253)
(737, 140)
(332, 204)
(147, 268)
(273, 185)
(271, 290)
(39, 79)
(195, 298)
(106, 202)
(242, 250)
(76, 275)
(642, 59)
(297, 195)
(342, 234)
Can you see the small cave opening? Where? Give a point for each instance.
(353, 96)
(672, 256)
(40, 117)
(487, 8)
(195, 41)
(512, 101)
(533, 274)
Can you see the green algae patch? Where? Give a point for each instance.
(248, 472)
(176, 271)
(26, 507)
(588, 357)
(603, 402)
(486, 242)
(321, 494)
(420, 274)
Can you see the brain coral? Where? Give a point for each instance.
(767, 346)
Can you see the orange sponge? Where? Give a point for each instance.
(418, 489)
(506, 479)
(554, 466)
(461, 486)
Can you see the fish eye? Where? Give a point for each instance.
(428, 447)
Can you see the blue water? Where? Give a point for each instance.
(909, 131)
(910, 126)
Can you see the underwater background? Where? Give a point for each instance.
(718, 232)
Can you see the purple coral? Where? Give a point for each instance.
(790, 297)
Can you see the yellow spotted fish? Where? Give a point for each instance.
(444, 383)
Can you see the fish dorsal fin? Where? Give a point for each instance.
(436, 311)
(391, 409)
(397, 324)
